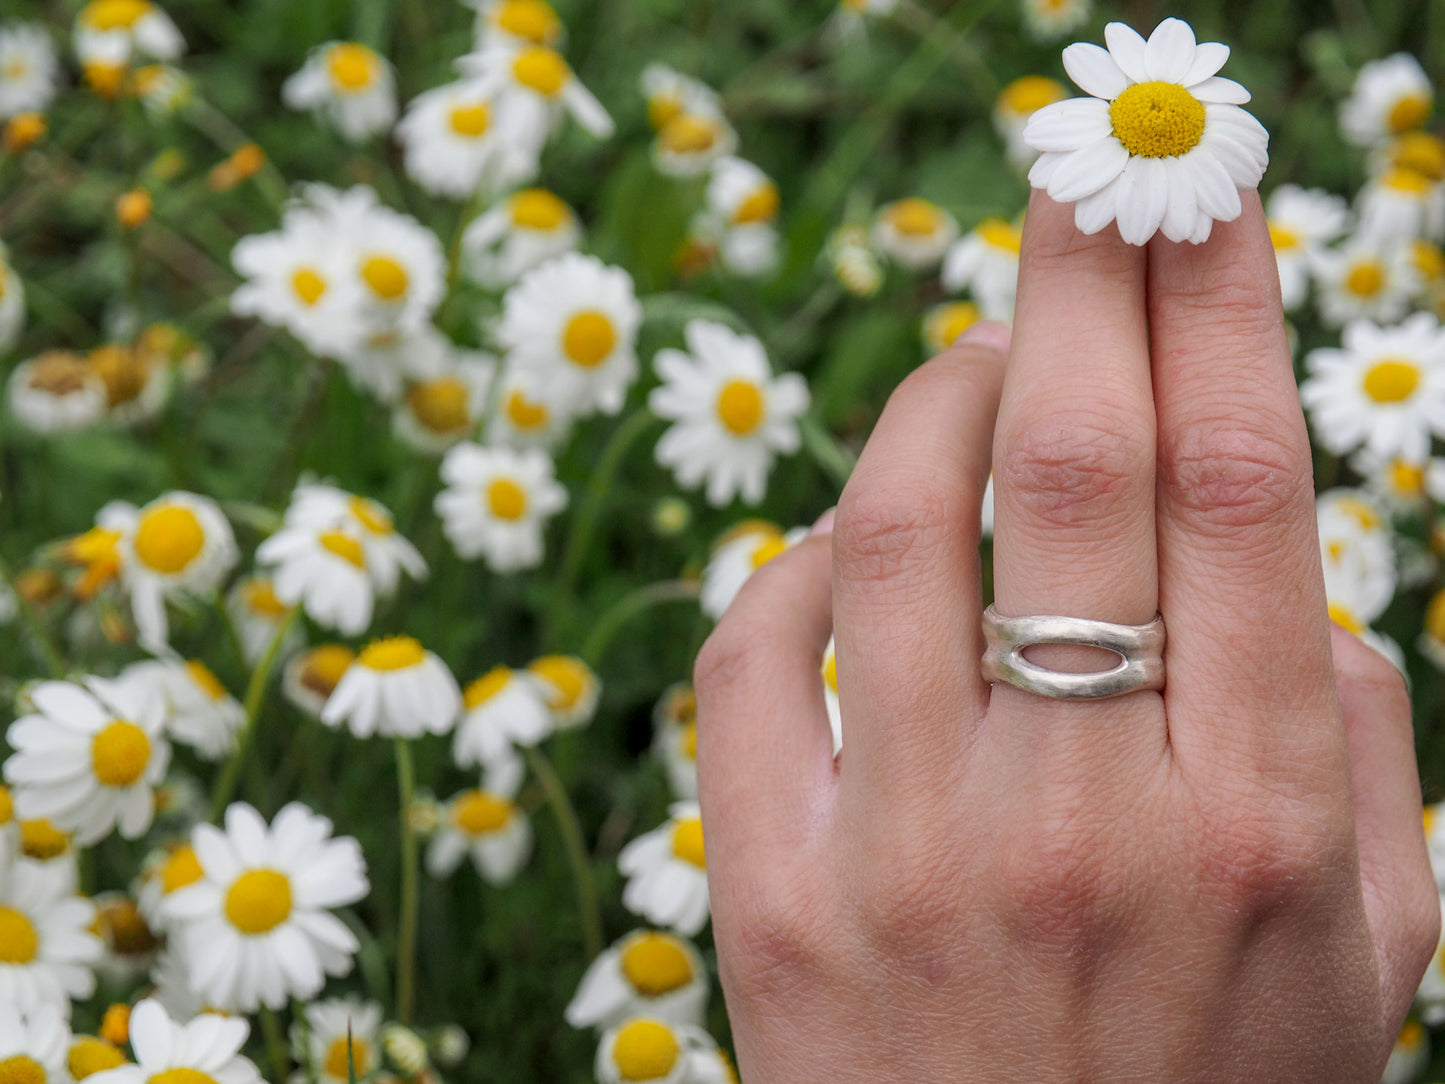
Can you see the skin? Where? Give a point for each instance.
(1225, 881)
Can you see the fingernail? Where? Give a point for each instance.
(990, 333)
(824, 525)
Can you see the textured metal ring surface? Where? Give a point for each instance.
(1140, 649)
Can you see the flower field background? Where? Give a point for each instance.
(760, 267)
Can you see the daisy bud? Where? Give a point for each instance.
(115, 1025)
(23, 130)
(450, 1045)
(89, 1055)
(133, 208)
(405, 1048)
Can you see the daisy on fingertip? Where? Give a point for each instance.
(645, 1050)
(521, 232)
(349, 85)
(395, 689)
(647, 973)
(666, 871)
(1390, 96)
(497, 502)
(502, 709)
(206, 1050)
(1162, 146)
(312, 676)
(914, 233)
(340, 1036)
(570, 686)
(485, 825)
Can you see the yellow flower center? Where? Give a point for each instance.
(537, 209)
(1157, 120)
(1420, 151)
(58, 373)
(1406, 478)
(1343, 616)
(169, 538)
(478, 813)
(124, 373)
(1366, 279)
(531, 20)
(1392, 380)
(645, 1050)
(525, 414)
(952, 320)
(180, 869)
(661, 108)
(342, 1058)
(89, 1055)
(352, 67)
(1407, 181)
(120, 924)
(830, 671)
(1409, 111)
(308, 285)
(21, 131)
(655, 964)
(21, 1070)
(7, 805)
(42, 841)
(1005, 236)
(260, 598)
(258, 901)
(506, 499)
(370, 515)
(486, 686)
(1032, 92)
(19, 940)
(1412, 1034)
(687, 744)
(470, 121)
(440, 405)
(181, 1076)
(568, 679)
(761, 205)
(1435, 626)
(103, 77)
(687, 842)
(767, 550)
(589, 338)
(740, 407)
(323, 667)
(688, 134)
(1282, 237)
(119, 753)
(15, 69)
(540, 69)
(134, 207)
(1361, 512)
(1427, 259)
(344, 546)
(392, 653)
(915, 217)
(115, 1023)
(202, 675)
(387, 278)
(115, 14)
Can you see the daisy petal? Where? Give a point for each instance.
(1142, 196)
(1085, 171)
(1218, 89)
(1169, 53)
(1181, 217)
(1093, 213)
(1126, 47)
(1217, 194)
(1094, 70)
(1209, 57)
(1067, 126)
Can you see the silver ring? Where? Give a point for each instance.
(1140, 649)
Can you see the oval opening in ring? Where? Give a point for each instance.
(1074, 658)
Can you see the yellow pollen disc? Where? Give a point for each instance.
(996, 233)
(655, 964)
(1282, 237)
(42, 841)
(89, 1055)
(540, 69)
(1431, 812)
(58, 373)
(1343, 616)
(687, 744)
(387, 278)
(308, 285)
(687, 842)
(1407, 181)
(370, 515)
(1032, 92)
(15, 69)
(1420, 151)
(124, 372)
(260, 598)
(531, 20)
(181, 1076)
(1361, 512)
(506, 499)
(767, 550)
(952, 320)
(104, 78)
(1406, 478)
(21, 1070)
(21, 131)
(478, 813)
(740, 407)
(1412, 1034)
(915, 217)
(181, 868)
(486, 686)
(201, 674)
(524, 413)
(688, 134)
(19, 940)
(1366, 278)
(645, 1050)
(859, 6)
(323, 667)
(344, 546)
(124, 930)
(7, 805)
(134, 207)
(340, 1062)
(119, 754)
(392, 653)
(661, 108)
(830, 671)
(115, 1023)
(169, 538)
(115, 14)
(352, 67)
(683, 706)
(569, 679)
(1392, 380)
(761, 205)
(470, 121)
(589, 338)
(537, 209)
(258, 901)
(1157, 120)
(1409, 112)
(40, 586)
(1427, 259)
(440, 405)
(1435, 626)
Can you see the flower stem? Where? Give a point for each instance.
(587, 908)
(605, 628)
(275, 1043)
(836, 461)
(33, 625)
(410, 886)
(255, 693)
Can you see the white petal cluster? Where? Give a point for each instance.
(666, 873)
(29, 69)
(349, 86)
(497, 503)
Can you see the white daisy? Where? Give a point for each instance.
(206, 1050)
(517, 21)
(731, 415)
(1357, 557)
(384, 355)
(1049, 19)
(33, 1045)
(913, 232)
(161, 88)
(1399, 484)
(56, 392)
(340, 1037)
(946, 322)
(501, 709)
(689, 144)
(571, 326)
(646, 973)
(526, 419)
(850, 255)
(742, 206)
(388, 554)
(12, 293)
(674, 738)
(137, 385)
(1301, 222)
(398, 261)
(524, 230)
(115, 30)
(130, 944)
(1390, 96)
(497, 502)
(1419, 152)
(669, 94)
(349, 85)
(165, 871)
(455, 146)
(1161, 145)
(395, 688)
(486, 826)
(1366, 278)
(47, 948)
(648, 1051)
(256, 929)
(311, 677)
(737, 555)
(571, 686)
(1385, 388)
(438, 411)
(197, 709)
(258, 615)
(533, 86)
(325, 572)
(1401, 204)
(666, 873)
(1016, 103)
(37, 841)
(29, 70)
(985, 262)
(88, 757)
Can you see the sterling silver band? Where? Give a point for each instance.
(1139, 647)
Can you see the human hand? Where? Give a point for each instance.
(1223, 881)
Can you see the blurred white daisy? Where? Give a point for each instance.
(130, 944)
(197, 710)
(258, 615)
(33, 1044)
(944, 323)
(1301, 222)
(1016, 103)
(497, 502)
(311, 677)
(47, 948)
(385, 355)
(985, 262)
(137, 384)
(166, 870)
(689, 144)
(88, 758)
(1050, 19)
(1401, 204)
(1390, 96)
(325, 572)
(533, 87)
(114, 31)
(56, 392)
(525, 419)
(502, 709)
(37, 841)
(571, 686)
(206, 1049)
(850, 256)
(1431, 644)
(29, 70)
(257, 929)
(730, 415)
(1357, 558)
(674, 738)
(486, 826)
(850, 18)
(518, 233)
(438, 411)
(398, 261)
(647, 973)
(914, 232)
(349, 85)
(161, 88)
(395, 688)
(737, 555)
(1365, 278)
(388, 554)
(670, 93)
(456, 146)
(12, 294)
(742, 207)
(666, 872)
(340, 1037)
(533, 22)
(648, 1051)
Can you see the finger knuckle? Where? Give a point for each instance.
(730, 657)
(1422, 922)
(772, 939)
(1260, 858)
(891, 530)
(1062, 470)
(915, 907)
(1229, 479)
